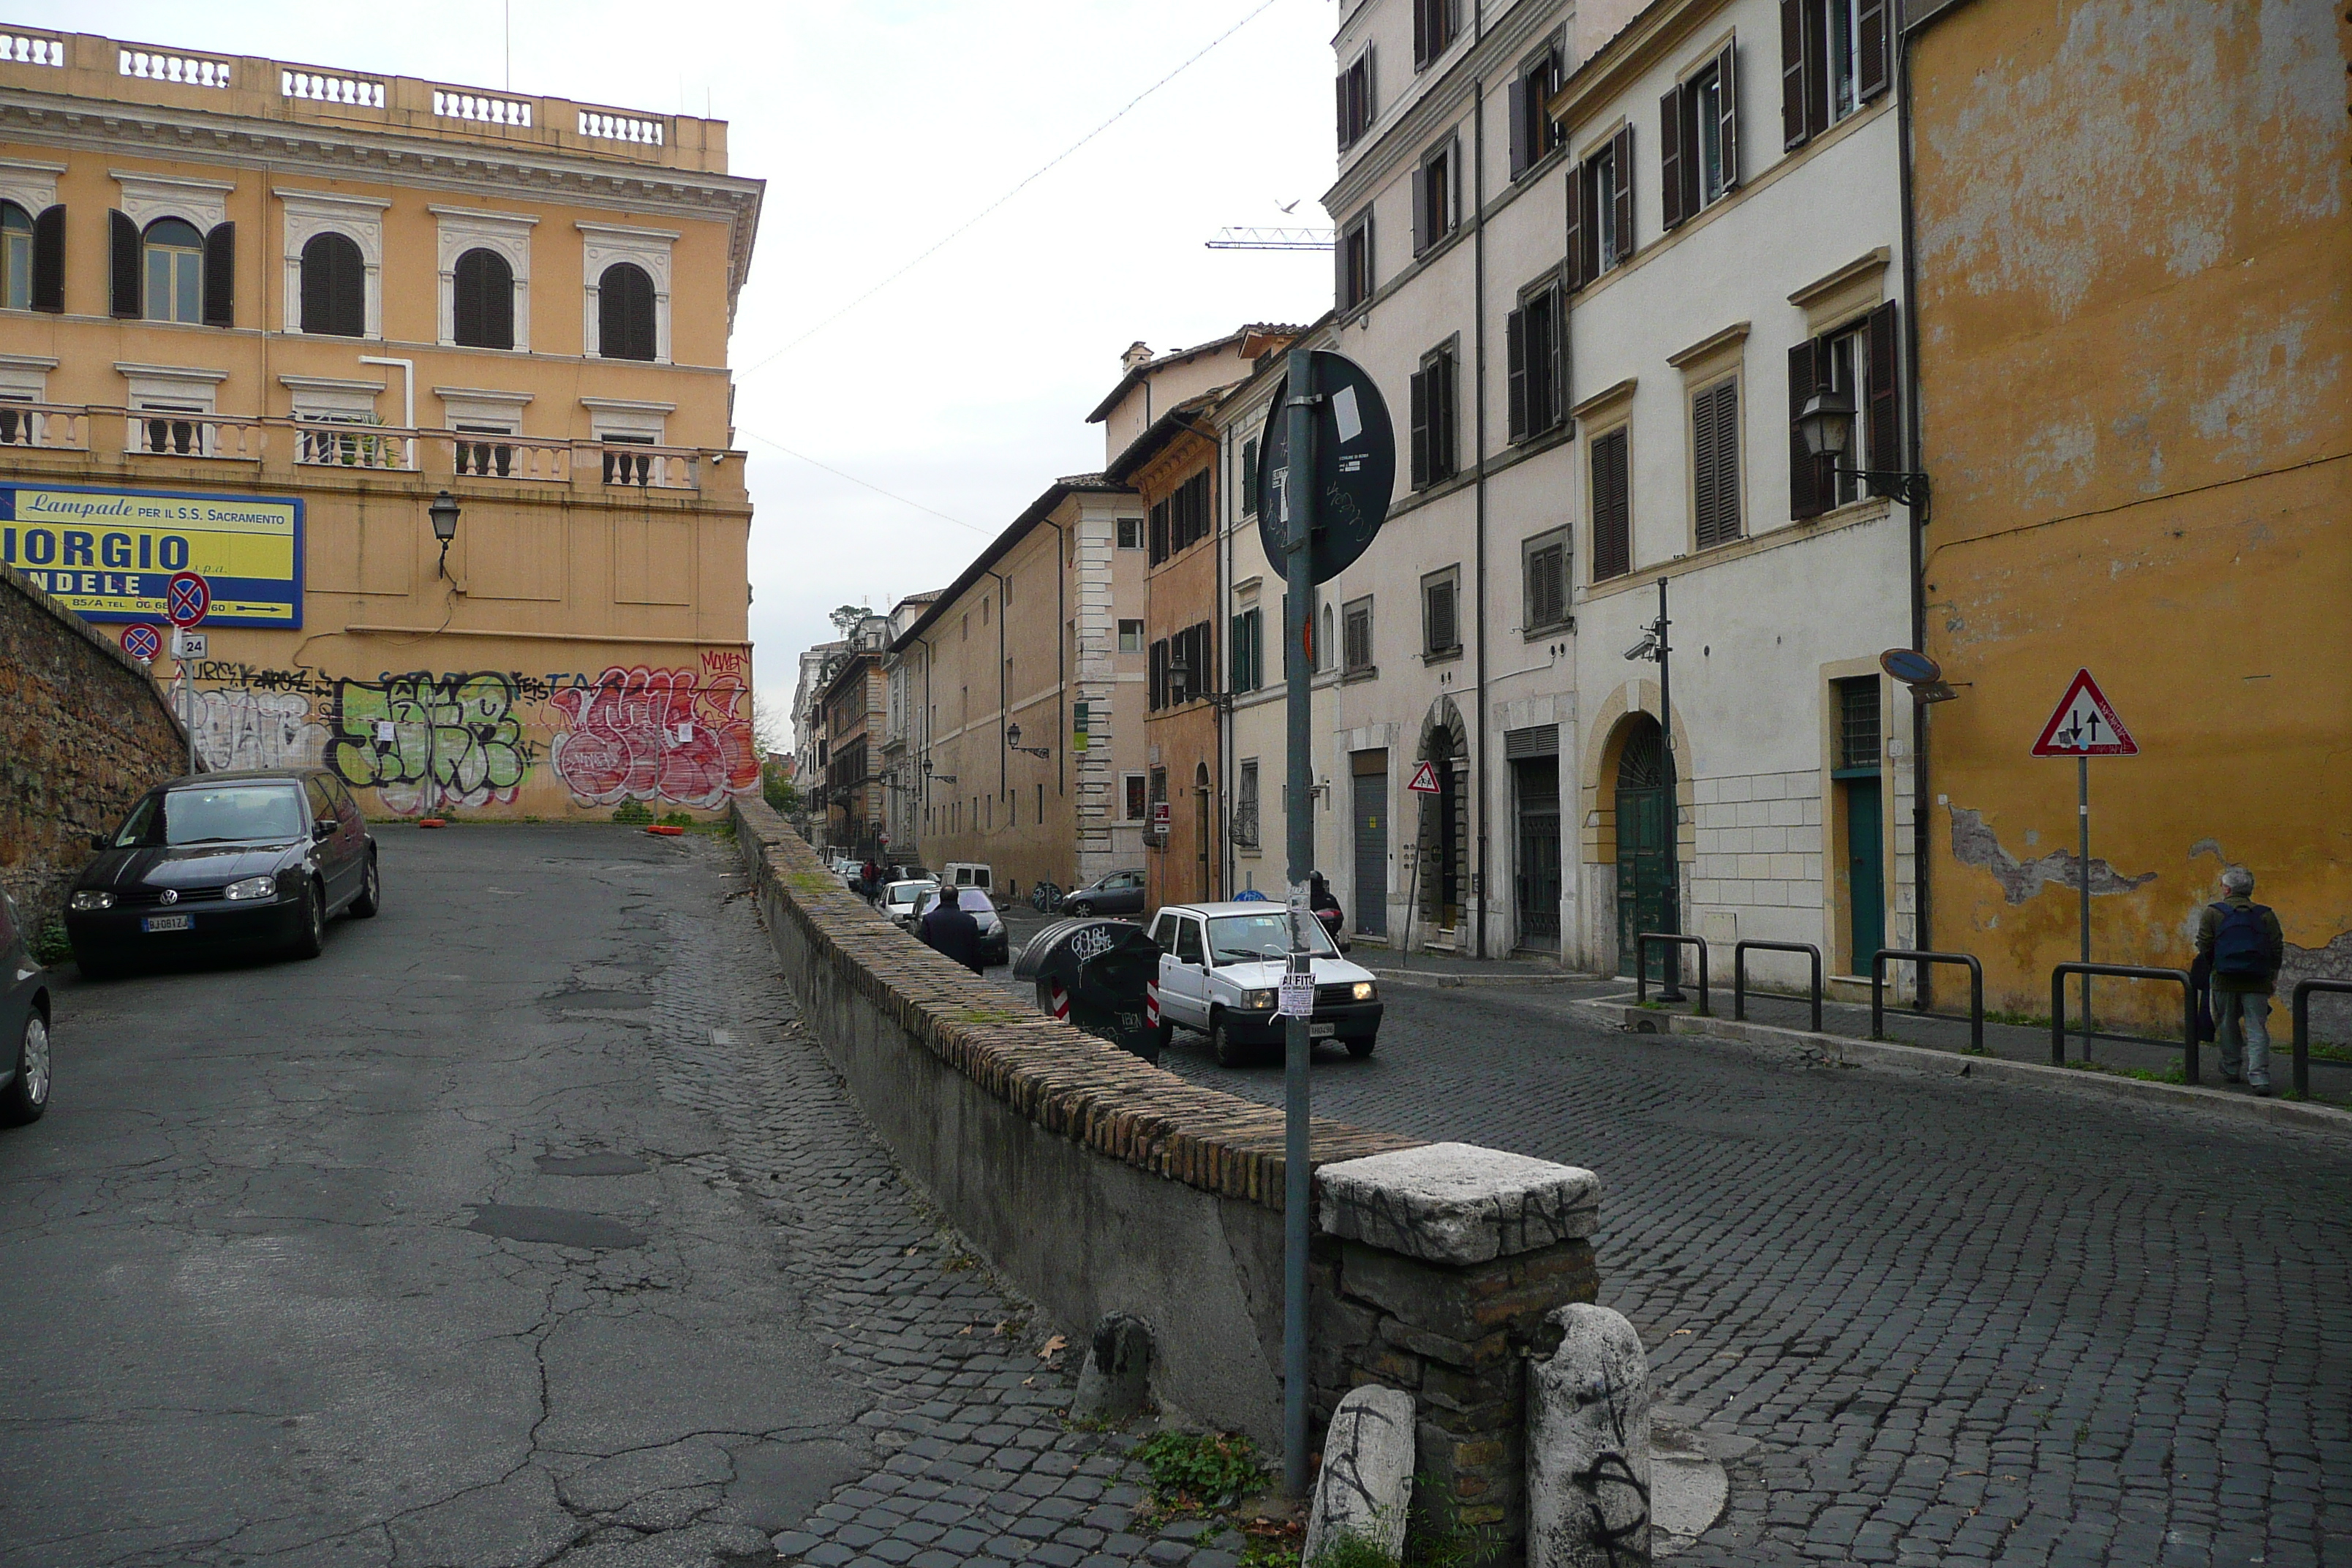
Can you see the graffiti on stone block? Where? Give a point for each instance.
(430, 742)
(656, 734)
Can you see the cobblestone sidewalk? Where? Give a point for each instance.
(974, 1465)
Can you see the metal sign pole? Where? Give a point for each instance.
(2083, 813)
(1299, 504)
(188, 707)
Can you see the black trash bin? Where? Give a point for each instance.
(1092, 972)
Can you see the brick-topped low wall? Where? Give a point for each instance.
(1098, 1183)
(83, 733)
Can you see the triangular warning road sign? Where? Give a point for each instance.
(2084, 725)
(1424, 780)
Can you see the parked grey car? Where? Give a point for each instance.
(24, 1062)
(1116, 893)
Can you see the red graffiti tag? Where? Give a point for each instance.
(657, 735)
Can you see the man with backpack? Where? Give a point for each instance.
(2245, 945)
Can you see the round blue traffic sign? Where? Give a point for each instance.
(189, 598)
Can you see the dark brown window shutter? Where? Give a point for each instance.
(1883, 409)
(1515, 372)
(1339, 102)
(483, 316)
(1817, 69)
(1670, 158)
(1577, 274)
(1521, 154)
(1870, 23)
(1727, 73)
(1714, 434)
(624, 312)
(1423, 220)
(1808, 495)
(123, 236)
(1555, 366)
(1612, 531)
(1794, 126)
(1443, 419)
(1419, 383)
(334, 287)
(50, 259)
(1420, 31)
(1622, 149)
(220, 276)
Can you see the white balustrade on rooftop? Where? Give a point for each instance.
(323, 88)
(30, 49)
(621, 127)
(480, 108)
(191, 70)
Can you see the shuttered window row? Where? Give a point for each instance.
(1435, 24)
(1435, 419)
(1535, 362)
(1714, 464)
(1834, 59)
(1534, 132)
(1182, 519)
(1441, 613)
(1613, 507)
(1861, 362)
(1699, 140)
(1184, 666)
(1600, 210)
(1355, 94)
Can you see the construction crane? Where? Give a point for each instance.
(1272, 239)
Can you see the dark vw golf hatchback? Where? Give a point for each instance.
(250, 862)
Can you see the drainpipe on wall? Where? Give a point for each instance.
(407, 397)
(1478, 321)
(1923, 926)
(1003, 696)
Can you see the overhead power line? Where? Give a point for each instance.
(946, 240)
(863, 484)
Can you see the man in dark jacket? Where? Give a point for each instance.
(950, 929)
(2244, 946)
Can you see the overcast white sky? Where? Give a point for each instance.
(879, 127)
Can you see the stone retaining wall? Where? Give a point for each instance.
(83, 733)
(1097, 1183)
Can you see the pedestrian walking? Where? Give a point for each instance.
(2244, 943)
(952, 929)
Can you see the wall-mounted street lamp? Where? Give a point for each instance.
(1012, 739)
(930, 777)
(1826, 423)
(444, 513)
(1180, 688)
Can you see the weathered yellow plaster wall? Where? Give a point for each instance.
(2135, 358)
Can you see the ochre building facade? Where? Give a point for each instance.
(2134, 412)
(254, 318)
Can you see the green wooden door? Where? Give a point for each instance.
(1642, 880)
(1866, 870)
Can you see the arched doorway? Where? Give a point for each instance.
(1645, 890)
(1445, 829)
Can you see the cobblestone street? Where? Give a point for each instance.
(1938, 1321)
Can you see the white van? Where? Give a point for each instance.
(1220, 964)
(968, 874)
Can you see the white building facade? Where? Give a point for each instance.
(1597, 264)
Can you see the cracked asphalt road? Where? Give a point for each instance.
(436, 1250)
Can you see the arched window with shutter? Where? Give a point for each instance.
(174, 254)
(624, 309)
(484, 306)
(334, 287)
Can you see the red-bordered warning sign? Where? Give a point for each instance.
(1424, 779)
(2085, 725)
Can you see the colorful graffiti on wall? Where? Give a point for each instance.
(658, 734)
(429, 744)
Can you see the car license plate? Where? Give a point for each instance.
(1321, 1031)
(165, 923)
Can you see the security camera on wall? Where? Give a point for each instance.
(1644, 648)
